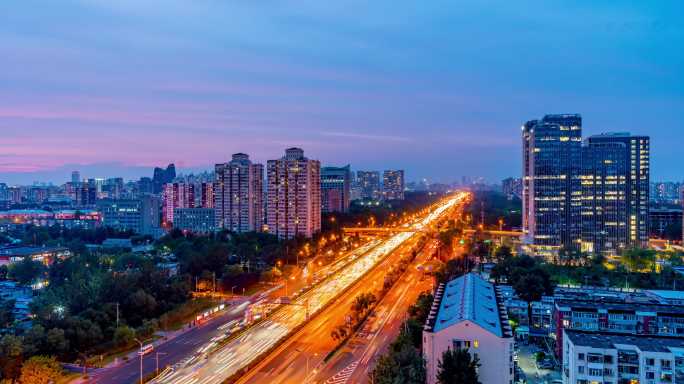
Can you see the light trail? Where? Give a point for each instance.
(258, 339)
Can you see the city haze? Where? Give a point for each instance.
(115, 88)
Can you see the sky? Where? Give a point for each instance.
(438, 88)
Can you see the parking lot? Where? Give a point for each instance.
(534, 375)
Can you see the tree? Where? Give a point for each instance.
(457, 366)
(26, 271)
(56, 341)
(638, 259)
(530, 285)
(40, 370)
(123, 336)
(6, 313)
(11, 357)
(502, 253)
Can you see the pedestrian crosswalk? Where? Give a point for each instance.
(342, 376)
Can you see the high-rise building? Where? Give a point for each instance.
(665, 192)
(335, 189)
(163, 176)
(206, 195)
(145, 185)
(626, 187)
(604, 201)
(681, 200)
(393, 184)
(512, 187)
(86, 194)
(113, 188)
(176, 195)
(75, 177)
(238, 195)
(552, 154)
(592, 197)
(369, 183)
(294, 195)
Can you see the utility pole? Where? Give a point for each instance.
(157, 361)
(117, 314)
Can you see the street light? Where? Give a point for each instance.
(141, 358)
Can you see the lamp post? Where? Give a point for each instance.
(141, 359)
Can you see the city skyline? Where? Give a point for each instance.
(137, 86)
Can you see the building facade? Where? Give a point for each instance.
(635, 152)
(393, 184)
(174, 196)
(662, 220)
(369, 185)
(552, 153)
(294, 195)
(138, 215)
(238, 195)
(622, 359)
(466, 314)
(617, 316)
(512, 187)
(196, 220)
(335, 189)
(592, 197)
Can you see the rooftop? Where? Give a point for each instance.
(665, 294)
(624, 306)
(469, 297)
(647, 343)
(28, 251)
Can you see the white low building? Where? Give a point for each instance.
(616, 359)
(467, 313)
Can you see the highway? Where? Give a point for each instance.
(188, 344)
(301, 358)
(239, 353)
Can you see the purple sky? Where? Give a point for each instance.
(439, 88)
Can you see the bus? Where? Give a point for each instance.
(146, 349)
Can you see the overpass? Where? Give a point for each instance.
(495, 233)
(378, 230)
(383, 230)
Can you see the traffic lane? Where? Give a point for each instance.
(379, 344)
(240, 352)
(237, 354)
(382, 329)
(170, 352)
(288, 363)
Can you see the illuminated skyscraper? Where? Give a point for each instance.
(335, 189)
(294, 195)
(393, 184)
(552, 154)
(592, 197)
(620, 164)
(369, 184)
(238, 195)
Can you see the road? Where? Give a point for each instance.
(296, 359)
(170, 352)
(238, 354)
(186, 345)
(356, 361)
